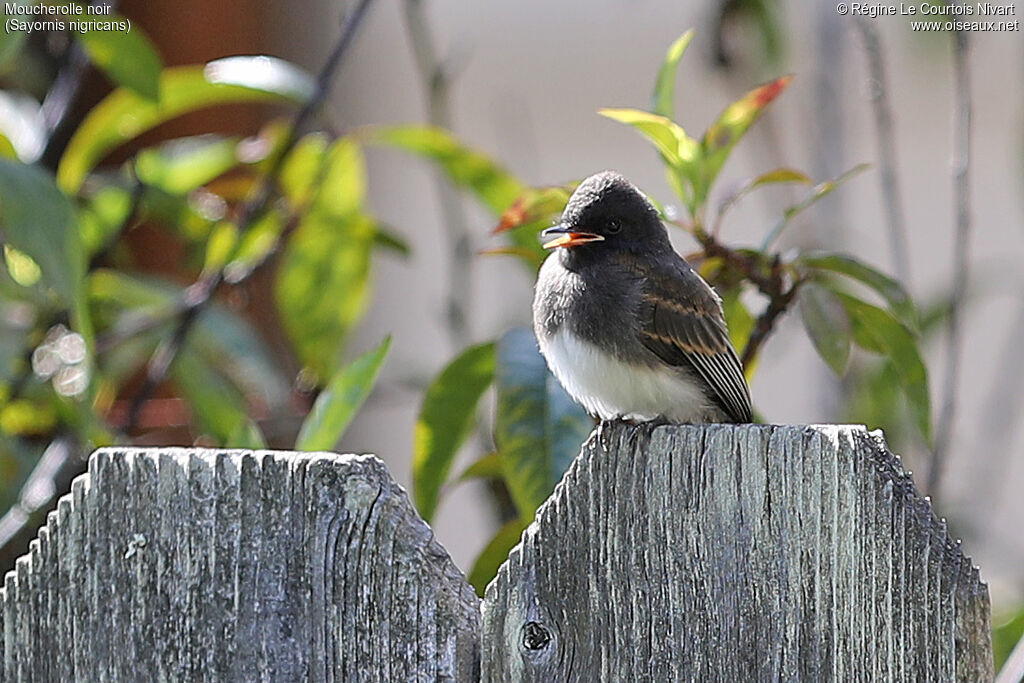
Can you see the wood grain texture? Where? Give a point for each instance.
(736, 553)
(201, 565)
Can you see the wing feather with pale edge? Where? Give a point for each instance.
(687, 330)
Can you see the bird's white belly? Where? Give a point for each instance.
(610, 388)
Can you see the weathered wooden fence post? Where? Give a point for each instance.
(734, 553)
(192, 565)
(722, 553)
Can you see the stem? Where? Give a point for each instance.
(777, 305)
(59, 103)
(744, 263)
(961, 184)
(437, 83)
(773, 286)
(886, 142)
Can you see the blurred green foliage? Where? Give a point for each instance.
(82, 322)
(1006, 634)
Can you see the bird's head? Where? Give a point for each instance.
(607, 213)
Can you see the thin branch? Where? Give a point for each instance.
(60, 463)
(886, 144)
(436, 81)
(777, 305)
(199, 294)
(59, 104)
(768, 276)
(744, 262)
(961, 184)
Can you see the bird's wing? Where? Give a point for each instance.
(686, 328)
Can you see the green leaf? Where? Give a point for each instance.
(342, 188)
(731, 126)
(662, 100)
(486, 566)
(21, 267)
(123, 114)
(820, 190)
(340, 401)
(255, 245)
(538, 429)
(468, 168)
(666, 135)
(740, 323)
(26, 417)
(39, 221)
(127, 57)
(220, 246)
(889, 289)
(303, 167)
(827, 324)
(1006, 633)
(323, 282)
(876, 330)
(778, 175)
(680, 152)
(446, 419)
(218, 408)
(101, 215)
(179, 166)
(487, 467)
(129, 292)
(387, 239)
(247, 435)
(7, 150)
(873, 396)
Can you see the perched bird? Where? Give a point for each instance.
(626, 325)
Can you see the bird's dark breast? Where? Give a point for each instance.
(598, 305)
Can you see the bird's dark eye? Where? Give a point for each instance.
(614, 226)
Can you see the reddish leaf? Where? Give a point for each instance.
(536, 204)
(731, 125)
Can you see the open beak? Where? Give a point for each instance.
(567, 237)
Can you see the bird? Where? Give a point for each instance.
(626, 325)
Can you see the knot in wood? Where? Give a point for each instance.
(535, 636)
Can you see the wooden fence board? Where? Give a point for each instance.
(188, 564)
(724, 553)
